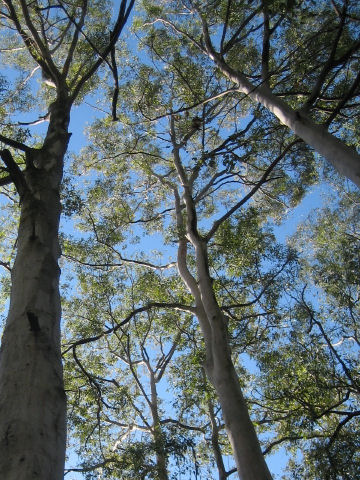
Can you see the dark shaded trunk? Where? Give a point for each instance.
(32, 399)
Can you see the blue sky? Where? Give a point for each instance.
(83, 115)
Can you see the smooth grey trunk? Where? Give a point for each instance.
(343, 158)
(219, 366)
(221, 372)
(32, 397)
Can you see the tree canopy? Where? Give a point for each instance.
(196, 340)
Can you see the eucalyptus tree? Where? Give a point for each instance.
(63, 44)
(190, 180)
(299, 60)
(196, 399)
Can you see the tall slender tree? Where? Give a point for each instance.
(184, 174)
(65, 43)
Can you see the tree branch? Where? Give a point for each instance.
(119, 25)
(149, 306)
(252, 192)
(15, 173)
(14, 144)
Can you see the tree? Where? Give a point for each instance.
(66, 44)
(194, 148)
(190, 182)
(299, 60)
(116, 391)
(206, 170)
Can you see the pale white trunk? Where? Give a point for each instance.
(240, 430)
(342, 157)
(218, 365)
(220, 368)
(221, 373)
(32, 397)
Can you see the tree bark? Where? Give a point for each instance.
(32, 400)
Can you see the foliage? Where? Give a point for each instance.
(140, 405)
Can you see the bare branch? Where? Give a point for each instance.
(123, 15)
(15, 144)
(182, 425)
(75, 38)
(90, 468)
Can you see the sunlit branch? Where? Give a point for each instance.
(41, 119)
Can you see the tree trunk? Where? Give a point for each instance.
(221, 372)
(32, 400)
(240, 430)
(215, 441)
(343, 158)
(218, 365)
